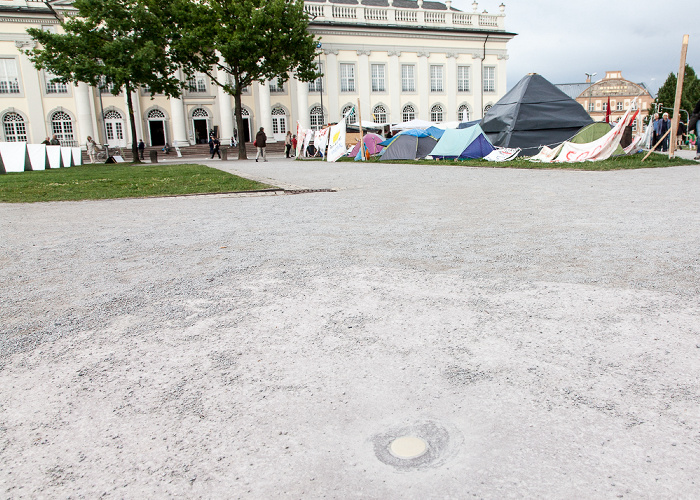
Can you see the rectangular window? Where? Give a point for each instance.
(53, 87)
(436, 78)
(9, 77)
(408, 78)
(378, 78)
(347, 77)
(489, 79)
(463, 78)
(197, 84)
(105, 88)
(317, 84)
(591, 107)
(275, 86)
(619, 106)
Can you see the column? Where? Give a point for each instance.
(364, 82)
(477, 87)
(451, 87)
(177, 115)
(333, 88)
(84, 116)
(31, 81)
(423, 76)
(394, 86)
(265, 118)
(302, 106)
(225, 110)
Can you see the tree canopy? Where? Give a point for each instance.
(690, 94)
(253, 40)
(127, 43)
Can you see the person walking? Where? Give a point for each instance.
(287, 143)
(261, 144)
(694, 125)
(216, 148)
(91, 149)
(211, 146)
(141, 146)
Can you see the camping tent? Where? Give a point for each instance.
(408, 147)
(371, 141)
(593, 132)
(534, 113)
(462, 143)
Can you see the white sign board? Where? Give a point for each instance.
(77, 156)
(54, 155)
(37, 156)
(67, 156)
(14, 155)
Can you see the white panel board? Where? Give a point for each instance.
(54, 155)
(14, 155)
(67, 156)
(77, 156)
(37, 156)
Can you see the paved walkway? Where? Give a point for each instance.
(539, 330)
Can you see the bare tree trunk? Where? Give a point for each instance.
(239, 123)
(132, 124)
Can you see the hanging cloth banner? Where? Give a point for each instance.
(300, 139)
(336, 141)
(600, 149)
(321, 140)
(308, 135)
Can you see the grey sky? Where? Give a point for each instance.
(562, 40)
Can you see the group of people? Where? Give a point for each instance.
(290, 144)
(687, 134)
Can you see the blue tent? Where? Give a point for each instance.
(435, 132)
(468, 124)
(414, 132)
(462, 144)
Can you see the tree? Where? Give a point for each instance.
(253, 40)
(126, 43)
(689, 96)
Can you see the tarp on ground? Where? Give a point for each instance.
(463, 143)
(533, 114)
(372, 144)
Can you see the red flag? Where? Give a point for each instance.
(607, 112)
(634, 117)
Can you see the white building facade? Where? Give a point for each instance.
(402, 59)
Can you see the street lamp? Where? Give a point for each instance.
(589, 80)
(320, 87)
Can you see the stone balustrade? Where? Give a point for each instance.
(394, 16)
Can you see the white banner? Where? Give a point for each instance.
(600, 149)
(321, 140)
(308, 135)
(502, 154)
(336, 141)
(300, 139)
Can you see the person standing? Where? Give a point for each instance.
(294, 145)
(46, 141)
(261, 144)
(91, 149)
(287, 143)
(142, 147)
(55, 141)
(216, 148)
(663, 128)
(694, 125)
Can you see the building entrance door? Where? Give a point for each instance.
(157, 131)
(201, 131)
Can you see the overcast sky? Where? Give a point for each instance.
(563, 40)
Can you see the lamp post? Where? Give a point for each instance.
(589, 78)
(320, 87)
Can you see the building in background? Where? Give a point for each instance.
(594, 97)
(402, 59)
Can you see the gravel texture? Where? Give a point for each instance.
(541, 328)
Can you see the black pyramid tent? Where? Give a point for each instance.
(534, 113)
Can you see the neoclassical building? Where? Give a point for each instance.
(402, 59)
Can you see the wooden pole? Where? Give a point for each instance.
(362, 139)
(657, 144)
(677, 103)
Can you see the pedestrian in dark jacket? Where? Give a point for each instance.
(694, 124)
(215, 148)
(261, 144)
(142, 147)
(211, 146)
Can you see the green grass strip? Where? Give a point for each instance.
(617, 163)
(100, 182)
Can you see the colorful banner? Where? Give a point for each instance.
(336, 141)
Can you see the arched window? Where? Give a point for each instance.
(15, 128)
(408, 113)
(62, 126)
(316, 118)
(379, 114)
(464, 114)
(486, 108)
(113, 115)
(200, 113)
(114, 127)
(156, 114)
(436, 114)
(279, 120)
(351, 118)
